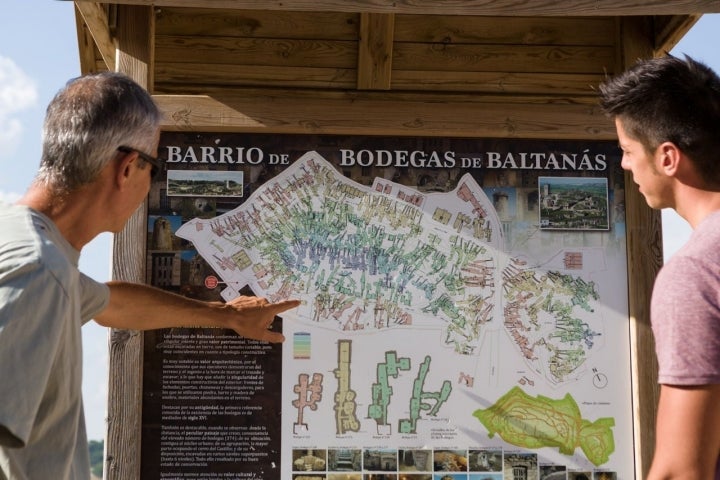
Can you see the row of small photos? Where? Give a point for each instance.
(596, 475)
(429, 464)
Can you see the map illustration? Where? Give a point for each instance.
(539, 422)
(381, 267)
(386, 258)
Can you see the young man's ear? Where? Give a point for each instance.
(669, 158)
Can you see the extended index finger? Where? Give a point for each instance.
(284, 305)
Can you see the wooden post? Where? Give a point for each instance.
(644, 247)
(122, 450)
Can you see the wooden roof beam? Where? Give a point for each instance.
(464, 7)
(669, 31)
(374, 113)
(96, 21)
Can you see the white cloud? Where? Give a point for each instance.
(18, 92)
(8, 197)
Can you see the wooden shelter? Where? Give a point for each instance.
(471, 68)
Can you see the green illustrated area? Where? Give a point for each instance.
(530, 422)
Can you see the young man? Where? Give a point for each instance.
(667, 115)
(94, 173)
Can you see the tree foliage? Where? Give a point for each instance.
(96, 457)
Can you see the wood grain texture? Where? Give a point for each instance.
(644, 247)
(375, 51)
(453, 29)
(96, 20)
(205, 22)
(253, 51)
(377, 114)
(519, 83)
(501, 58)
(199, 48)
(669, 31)
(199, 77)
(88, 51)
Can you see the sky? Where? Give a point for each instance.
(39, 53)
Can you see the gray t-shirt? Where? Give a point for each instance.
(44, 301)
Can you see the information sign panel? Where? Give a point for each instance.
(464, 309)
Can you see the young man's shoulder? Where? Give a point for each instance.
(703, 242)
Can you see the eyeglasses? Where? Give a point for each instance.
(155, 163)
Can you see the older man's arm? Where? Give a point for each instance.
(141, 307)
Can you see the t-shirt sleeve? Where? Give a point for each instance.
(95, 296)
(29, 338)
(685, 314)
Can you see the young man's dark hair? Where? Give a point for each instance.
(670, 99)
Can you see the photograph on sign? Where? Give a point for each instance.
(574, 203)
(204, 184)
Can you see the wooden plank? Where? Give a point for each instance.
(459, 7)
(183, 76)
(124, 421)
(669, 31)
(100, 66)
(644, 243)
(189, 78)
(96, 19)
(258, 51)
(308, 95)
(497, 82)
(503, 58)
(375, 51)
(204, 22)
(505, 30)
(377, 113)
(86, 45)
